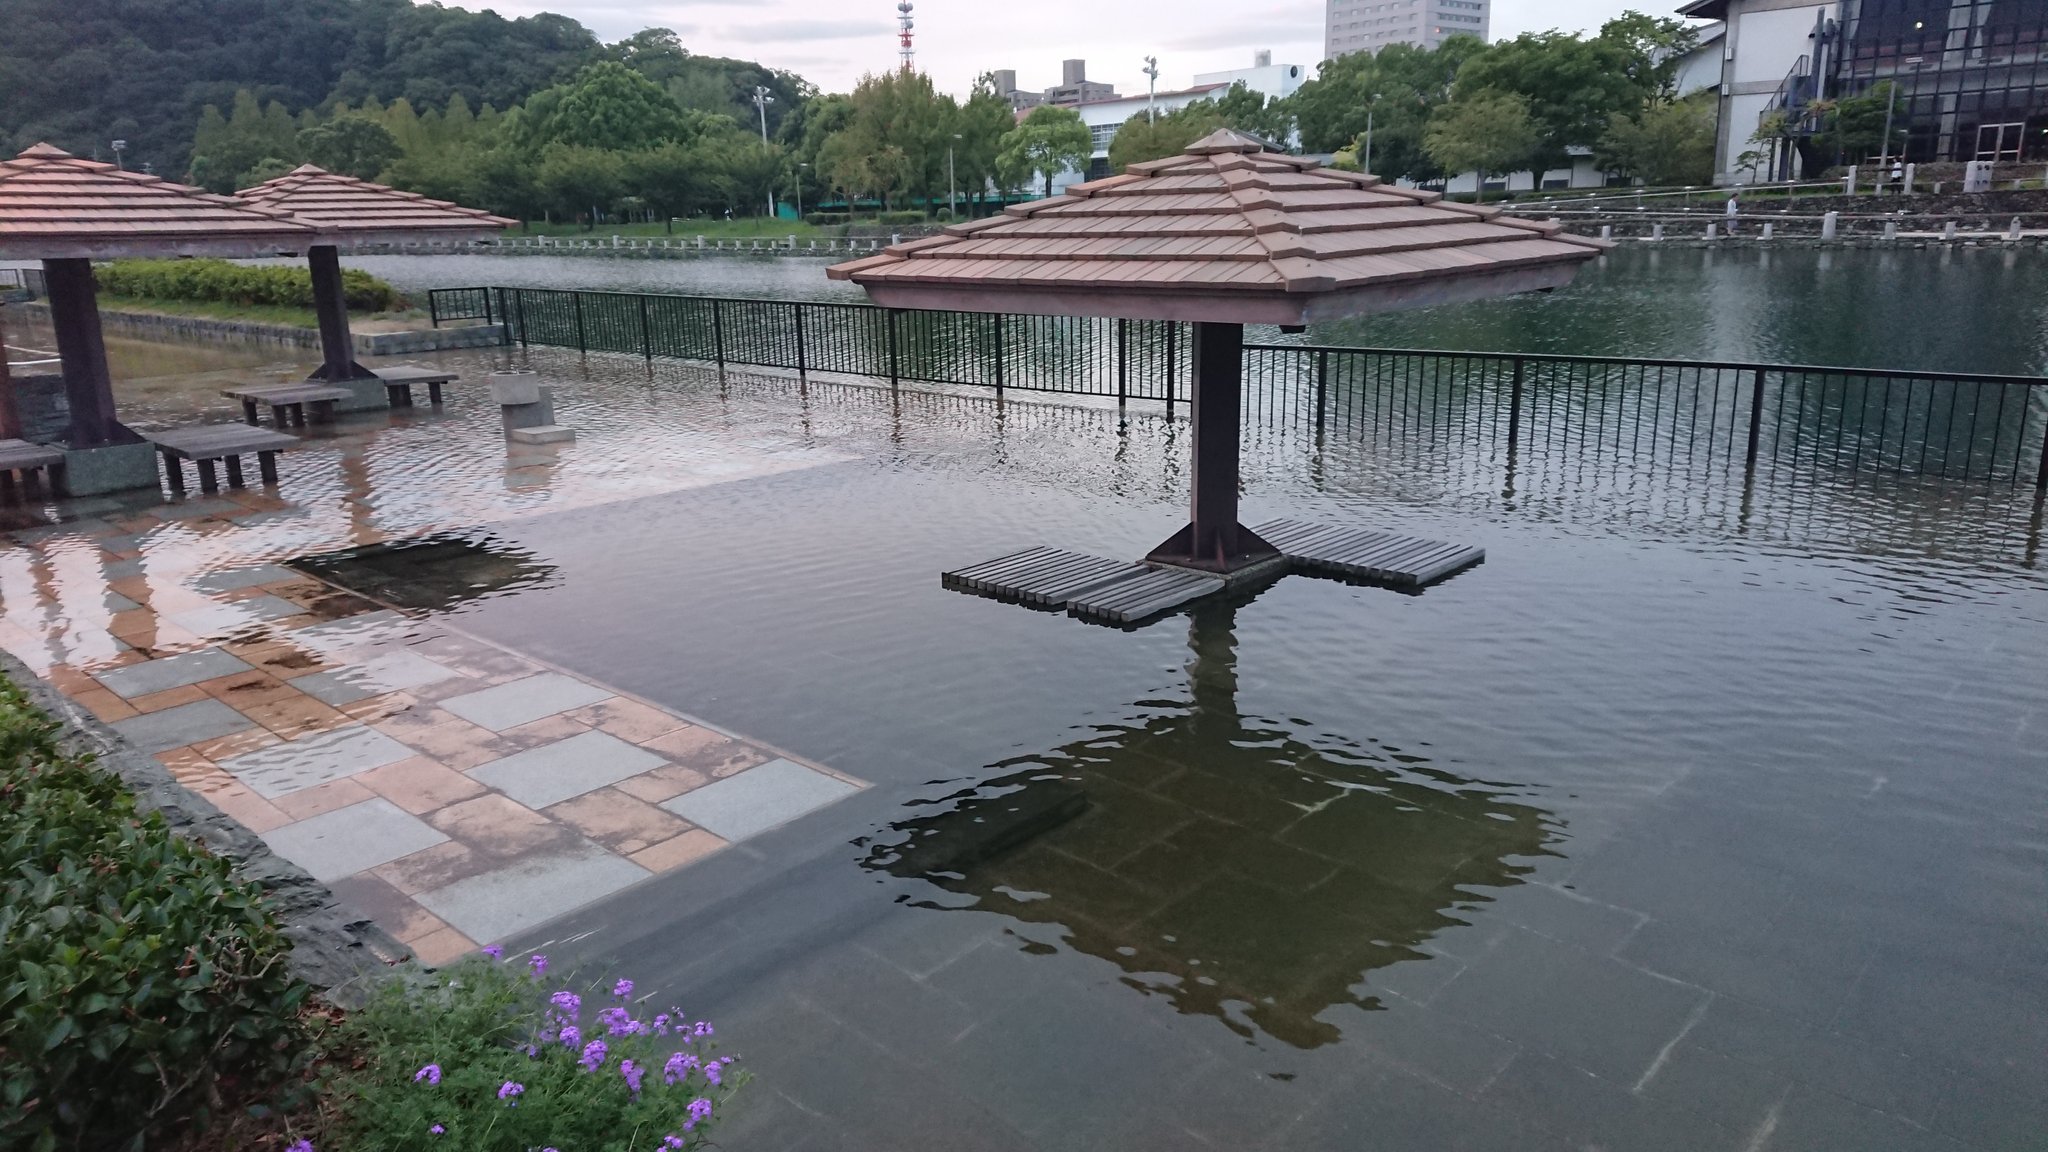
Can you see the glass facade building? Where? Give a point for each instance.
(1972, 76)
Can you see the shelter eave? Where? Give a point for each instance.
(1229, 307)
(349, 239)
(153, 248)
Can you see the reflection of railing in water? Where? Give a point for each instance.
(1696, 418)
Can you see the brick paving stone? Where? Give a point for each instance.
(185, 724)
(353, 839)
(310, 802)
(499, 826)
(443, 947)
(664, 783)
(629, 720)
(171, 672)
(524, 701)
(668, 855)
(298, 764)
(435, 867)
(618, 821)
(104, 705)
(709, 752)
(759, 798)
(420, 785)
(368, 894)
(555, 772)
(385, 672)
(169, 698)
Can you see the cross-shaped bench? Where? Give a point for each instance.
(398, 382)
(289, 403)
(36, 463)
(210, 443)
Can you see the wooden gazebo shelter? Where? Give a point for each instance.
(345, 211)
(68, 212)
(1227, 234)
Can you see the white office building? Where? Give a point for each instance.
(1370, 25)
(1104, 117)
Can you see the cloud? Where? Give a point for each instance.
(790, 31)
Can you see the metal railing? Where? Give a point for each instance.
(1685, 417)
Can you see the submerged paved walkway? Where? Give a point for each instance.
(451, 790)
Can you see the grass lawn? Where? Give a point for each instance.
(745, 228)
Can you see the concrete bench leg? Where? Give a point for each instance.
(249, 413)
(31, 482)
(279, 417)
(434, 393)
(266, 463)
(234, 464)
(8, 493)
(175, 471)
(323, 411)
(209, 477)
(401, 395)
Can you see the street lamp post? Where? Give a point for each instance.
(1151, 89)
(1371, 108)
(800, 190)
(952, 185)
(762, 99)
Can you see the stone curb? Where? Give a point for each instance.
(337, 952)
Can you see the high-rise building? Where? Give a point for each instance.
(1370, 25)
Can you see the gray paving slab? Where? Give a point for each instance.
(170, 672)
(533, 891)
(524, 701)
(758, 799)
(555, 772)
(337, 637)
(234, 615)
(185, 724)
(348, 840)
(386, 672)
(283, 769)
(115, 602)
(229, 579)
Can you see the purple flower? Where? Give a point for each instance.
(700, 1110)
(622, 989)
(540, 964)
(672, 1142)
(714, 1072)
(633, 1074)
(437, 1130)
(300, 1146)
(508, 1091)
(593, 1055)
(493, 951)
(532, 1052)
(571, 1036)
(678, 1067)
(703, 1028)
(568, 1004)
(431, 1073)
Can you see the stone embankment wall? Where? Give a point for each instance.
(204, 328)
(1984, 218)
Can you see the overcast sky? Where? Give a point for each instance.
(833, 42)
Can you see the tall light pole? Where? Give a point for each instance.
(800, 191)
(1151, 89)
(1371, 108)
(762, 99)
(119, 147)
(1884, 160)
(952, 185)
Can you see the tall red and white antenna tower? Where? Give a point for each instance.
(904, 21)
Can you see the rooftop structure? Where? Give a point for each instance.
(56, 206)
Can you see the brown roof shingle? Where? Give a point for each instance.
(345, 207)
(1225, 231)
(54, 205)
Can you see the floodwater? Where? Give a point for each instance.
(1962, 310)
(1688, 820)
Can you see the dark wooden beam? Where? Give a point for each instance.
(330, 303)
(1213, 539)
(88, 384)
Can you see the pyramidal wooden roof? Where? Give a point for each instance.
(1227, 232)
(343, 207)
(54, 206)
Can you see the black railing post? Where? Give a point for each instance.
(1756, 419)
(519, 311)
(1322, 386)
(488, 318)
(999, 354)
(1172, 361)
(577, 297)
(894, 366)
(718, 334)
(646, 338)
(802, 364)
(2041, 477)
(1123, 361)
(434, 306)
(1515, 408)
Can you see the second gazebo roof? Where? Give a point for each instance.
(357, 211)
(56, 206)
(1230, 233)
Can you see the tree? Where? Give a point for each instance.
(1046, 143)
(1395, 90)
(1668, 142)
(1492, 133)
(575, 181)
(607, 106)
(1143, 138)
(1852, 127)
(350, 145)
(982, 123)
(1656, 45)
(1572, 87)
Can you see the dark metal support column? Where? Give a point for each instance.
(1213, 539)
(10, 409)
(330, 304)
(88, 385)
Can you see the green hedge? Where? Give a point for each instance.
(900, 218)
(136, 972)
(826, 219)
(275, 284)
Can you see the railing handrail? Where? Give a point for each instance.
(1648, 362)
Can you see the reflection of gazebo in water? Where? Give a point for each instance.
(1236, 868)
(347, 211)
(68, 212)
(1225, 235)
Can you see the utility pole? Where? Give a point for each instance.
(1151, 89)
(762, 99)
(1366, 160)
(952, 185)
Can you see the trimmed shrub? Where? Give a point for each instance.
(136, 972)
(484, 1057)
(826, 219)
(900, 218)
(227, 282)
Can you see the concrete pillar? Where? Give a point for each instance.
(1948, 230)
(1849, 182)
(700, 242)
(792, 243)
(1828, 224)
(1656, 231)
(1713, 231)
(2013, 232)
(330, 304)
(1607, 231)
(1767, 230)
(1891, 230)
(1912, 171)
